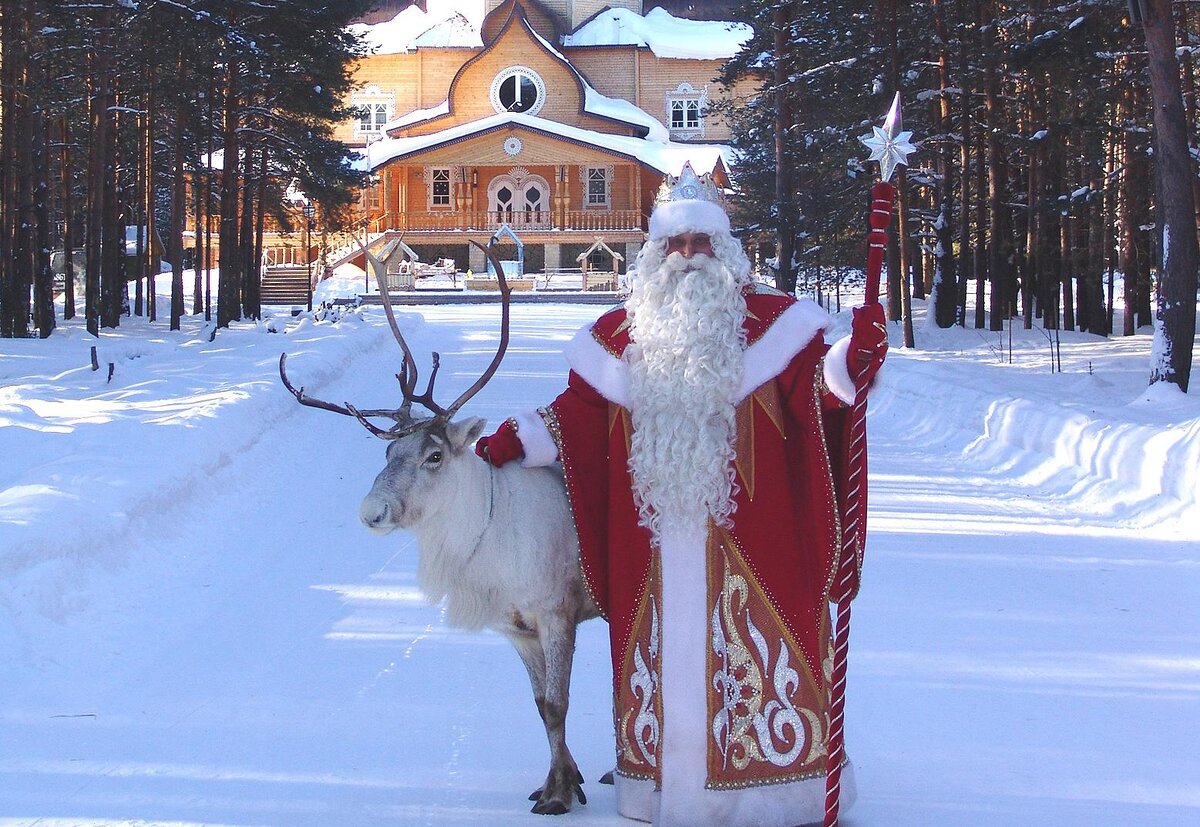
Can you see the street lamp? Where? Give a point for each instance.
(309, 211)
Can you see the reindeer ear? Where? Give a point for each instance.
(463, 434)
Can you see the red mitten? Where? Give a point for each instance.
(868, 341)
(502, 446)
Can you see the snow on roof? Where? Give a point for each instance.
(595, 103)
(446, 24)
(664, 156)
(419, 115)
(663, 33)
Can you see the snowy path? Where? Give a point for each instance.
(253, 657)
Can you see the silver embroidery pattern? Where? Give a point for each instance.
(747, 727)
(644, 684)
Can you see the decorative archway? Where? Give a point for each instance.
(519, 198)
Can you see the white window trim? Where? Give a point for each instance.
(372, 96)
(585, 175)
(538, 84)
(429, 179)
(686, 92)
(519, 179)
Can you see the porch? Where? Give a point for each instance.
(488, 221)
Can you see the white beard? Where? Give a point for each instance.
(685, 366)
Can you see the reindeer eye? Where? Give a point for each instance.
(434, 458)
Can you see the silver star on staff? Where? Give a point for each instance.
(889, 146)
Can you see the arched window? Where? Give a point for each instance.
(522, 200)
(518, 89)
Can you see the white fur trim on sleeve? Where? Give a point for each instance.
(536, 440)
(603, 371)
(837, 371)
(775, 349)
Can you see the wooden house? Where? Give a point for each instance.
(553, 120)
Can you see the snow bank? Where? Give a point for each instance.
(1131, 460)
(187, 405)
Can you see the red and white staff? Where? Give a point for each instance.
(890, 147)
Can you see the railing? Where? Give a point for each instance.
(283, 255)
(601, 220)
(490, 220)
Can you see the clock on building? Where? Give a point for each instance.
(518, 89)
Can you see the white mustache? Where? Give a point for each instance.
(677, 263)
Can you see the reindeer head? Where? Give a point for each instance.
(424, 454)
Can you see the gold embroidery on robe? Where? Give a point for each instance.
(766, 712)
(639, 696)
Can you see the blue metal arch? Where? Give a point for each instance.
(506, 230)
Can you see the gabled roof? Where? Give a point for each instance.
(592, 102)
(664, 156)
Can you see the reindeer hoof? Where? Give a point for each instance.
(558, 795)
(536, 794)
(607, 778)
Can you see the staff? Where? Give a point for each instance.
(890, 147)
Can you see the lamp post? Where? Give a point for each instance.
(309, 211)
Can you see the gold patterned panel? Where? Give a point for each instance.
(768, 717)
(638, 704)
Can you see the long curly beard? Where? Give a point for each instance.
(685, 363)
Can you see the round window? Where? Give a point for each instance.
(518, 89)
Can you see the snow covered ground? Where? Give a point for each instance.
(196, 630)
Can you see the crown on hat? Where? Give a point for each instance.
(689, 186)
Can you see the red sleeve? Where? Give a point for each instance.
(579, 420)
(799, 383)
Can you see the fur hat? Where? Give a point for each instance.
(688, 204)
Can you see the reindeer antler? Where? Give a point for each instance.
(407, 376)
(347, 409)
(505, 307)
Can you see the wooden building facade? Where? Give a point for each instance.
(558, 141)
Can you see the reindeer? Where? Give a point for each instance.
(497, 544)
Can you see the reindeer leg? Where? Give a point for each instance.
(530, 649)
(563, 782)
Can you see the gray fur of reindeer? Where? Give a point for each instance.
(498, 545)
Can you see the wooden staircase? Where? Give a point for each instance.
(285, 285)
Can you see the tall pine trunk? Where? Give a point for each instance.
(230, 293)
(1175, 329)
(178, 200)
(945, 287)
(67, 203)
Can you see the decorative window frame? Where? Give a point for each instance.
(431, 177)
(585, 178)
(539, 86)
(374, 97)
(683, 94)
(519, 179)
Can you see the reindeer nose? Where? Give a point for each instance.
(375, 515)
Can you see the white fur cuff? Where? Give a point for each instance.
(837, 371)
(535, 438)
